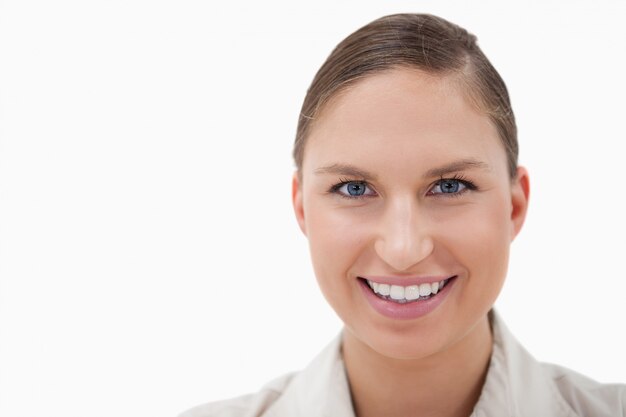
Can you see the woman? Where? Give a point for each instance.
(408, 190)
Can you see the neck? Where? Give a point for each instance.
(445, 384)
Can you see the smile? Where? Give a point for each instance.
(405, 294)
(420, 297)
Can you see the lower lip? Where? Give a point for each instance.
(406, 311)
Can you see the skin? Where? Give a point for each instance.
(395, 127)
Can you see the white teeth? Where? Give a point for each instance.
(396, 292)
(412, 292)
(383, 289)
(373, 285)
(408, 293)
(425, 289)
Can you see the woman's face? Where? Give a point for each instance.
(404, 188)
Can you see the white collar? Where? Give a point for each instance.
(516, 385)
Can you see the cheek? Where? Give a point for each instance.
(336, 239)
(481, 241)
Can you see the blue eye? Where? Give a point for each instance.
(352, 189)
(451, 186)
(355, 188)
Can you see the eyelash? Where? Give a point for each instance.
(335, 188)
(469, 185)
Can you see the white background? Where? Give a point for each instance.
(149, 259)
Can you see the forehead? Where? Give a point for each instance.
(401, 119)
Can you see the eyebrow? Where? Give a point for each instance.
(456, 166)
(348, 170)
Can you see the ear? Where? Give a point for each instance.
(520, 192)
(296, 199)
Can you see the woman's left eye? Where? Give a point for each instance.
(451, 186)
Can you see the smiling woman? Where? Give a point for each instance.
(409, 193)
(438, 206)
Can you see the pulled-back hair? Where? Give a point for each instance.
(422, 41)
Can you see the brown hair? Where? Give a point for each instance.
(426, 42)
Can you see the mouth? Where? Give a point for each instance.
(406, 294)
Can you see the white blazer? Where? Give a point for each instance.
(516, 386)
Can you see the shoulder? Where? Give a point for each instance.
(321, 389)
(585, 395)
(250, 405)
(519, 385)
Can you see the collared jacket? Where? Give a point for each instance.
(516, 386)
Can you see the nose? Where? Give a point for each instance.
(403, 238)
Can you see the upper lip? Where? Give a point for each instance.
(405, 281)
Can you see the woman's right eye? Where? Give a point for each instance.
(353, 189)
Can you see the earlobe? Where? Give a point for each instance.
(520, 193)
(296, 199)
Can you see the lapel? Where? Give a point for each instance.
(517, 385)
(320, 390)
